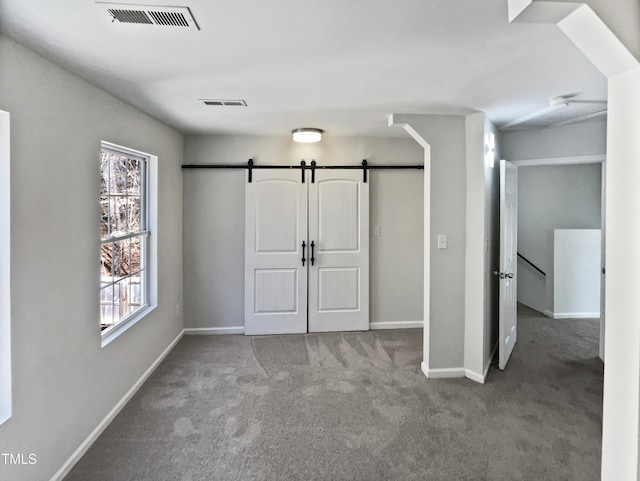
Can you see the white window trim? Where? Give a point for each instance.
(5, 269)
(110, 335)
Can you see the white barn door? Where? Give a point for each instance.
(508, 261)
(275, 228)
(339, 236)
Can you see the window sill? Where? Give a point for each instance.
(113, 334)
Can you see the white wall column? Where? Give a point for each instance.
(622, 303)
(398, 120)
(622, 298)
(446, 187)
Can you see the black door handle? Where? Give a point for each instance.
(303, 247)
(313, 259)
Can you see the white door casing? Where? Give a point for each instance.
(508, 261)
(339, 232)
(275, 299)
(603, 257)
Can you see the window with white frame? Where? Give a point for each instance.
(124, 249)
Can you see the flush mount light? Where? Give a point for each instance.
(307, 135)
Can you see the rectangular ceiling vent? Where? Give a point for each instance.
(224, 103)
(150, 15)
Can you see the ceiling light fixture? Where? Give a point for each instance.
(307, 135)
(555, 103)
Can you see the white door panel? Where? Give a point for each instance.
(338, 288)
(339, 231)
(508, 261)
(277, 216)
(275, 227)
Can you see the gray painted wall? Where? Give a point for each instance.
(214, 222)
(588, 138)
(553, 197)
(64, 384)
(446, 135)
(576, 272)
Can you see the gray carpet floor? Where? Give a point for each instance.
(355, 406)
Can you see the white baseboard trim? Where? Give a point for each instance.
(396, 325)
(491, 356)
(488, 361)
(548, 313)
(574, 315)
(213, 331)
(86, 444)
(442, 373)
(374, 326)
(474, 376)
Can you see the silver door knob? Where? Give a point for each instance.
(503, 275)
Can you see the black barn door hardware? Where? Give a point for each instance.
(312, 259)
(304, 245)
(250, 166)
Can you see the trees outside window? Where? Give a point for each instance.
(124, 236)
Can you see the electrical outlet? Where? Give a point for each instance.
(177, 310)
(442, 241)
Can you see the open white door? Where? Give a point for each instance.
(275, 278)
(508, 261)
(339, 240)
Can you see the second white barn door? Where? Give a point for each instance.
(326, 223)
(339, 233)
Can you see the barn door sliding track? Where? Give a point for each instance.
(303, 167)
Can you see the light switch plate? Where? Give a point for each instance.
(377, 230)
(442, 241)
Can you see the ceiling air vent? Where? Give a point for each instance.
(149, 14)
(224, 103)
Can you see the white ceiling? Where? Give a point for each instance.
(339, 65)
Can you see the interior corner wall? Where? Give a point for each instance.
(446, 136)
(492, 247)
(214, 222)
(475, 261)
(64, 383)
(483, 246)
